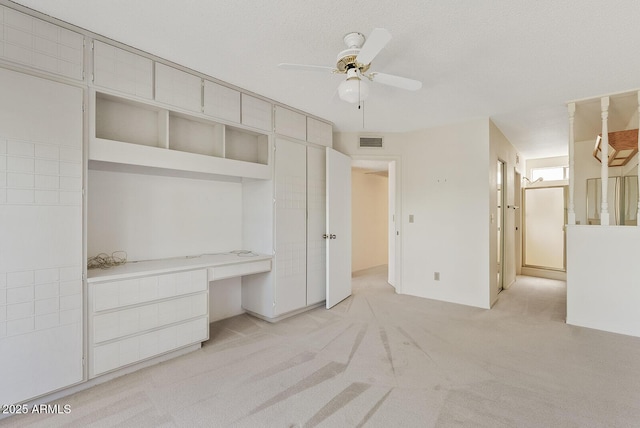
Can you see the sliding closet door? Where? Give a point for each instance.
(40, 236)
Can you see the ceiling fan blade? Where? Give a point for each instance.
(396, 81)
(306, 67)
(377, 40)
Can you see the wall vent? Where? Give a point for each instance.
(370, 142)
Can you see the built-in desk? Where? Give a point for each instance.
(219, 266)
(141, 310)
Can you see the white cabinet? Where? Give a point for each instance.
(122, 71)
(316, 225)
(290, 229)
(35, 43)
(41, 259)
(256, 113)
(221, 102)
(144, 134)
(319, 132)
(293, 228)
(290, 123)
(134, 319)
(178, 88)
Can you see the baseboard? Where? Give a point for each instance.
(287, 315)
(544, 273)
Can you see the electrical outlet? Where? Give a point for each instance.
(436, 276)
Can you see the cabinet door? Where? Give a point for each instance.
(123, 71)
(41, 236)
(319, 132)
(33, 42)
(177, 88)
(290, 123)
(316, 225)
(221, 102)
(256, 113)
(291, 245)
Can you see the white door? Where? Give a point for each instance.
(544, 220)
(338, 227)
(40, 236)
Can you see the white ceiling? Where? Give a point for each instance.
(515, 61)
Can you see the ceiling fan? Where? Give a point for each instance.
(355, 62)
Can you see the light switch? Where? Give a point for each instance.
(410, 218)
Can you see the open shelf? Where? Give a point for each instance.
(136, 133)
(191, 135)
(119, 119)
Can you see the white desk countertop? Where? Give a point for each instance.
(176, 264)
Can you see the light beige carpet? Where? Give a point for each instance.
(383, 360)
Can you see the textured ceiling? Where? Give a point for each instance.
(517, 62)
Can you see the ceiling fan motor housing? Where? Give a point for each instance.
(347, 58)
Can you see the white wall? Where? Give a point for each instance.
(154, 216)
(369, 219)
(602, 278)
(445, 186)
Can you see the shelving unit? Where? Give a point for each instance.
(132, 132)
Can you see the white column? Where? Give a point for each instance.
(604, 157)
(571, 216)
(638, 157)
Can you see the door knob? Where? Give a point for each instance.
(325, 236)
(332, 236)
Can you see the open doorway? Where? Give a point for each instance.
(374, 230)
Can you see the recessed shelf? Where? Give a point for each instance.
(124, 120)
(135, 133)
(191, 135)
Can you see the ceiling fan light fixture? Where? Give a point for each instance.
(353, 90)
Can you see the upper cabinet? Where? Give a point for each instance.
(38, 44)
(221, 102)
(319, 132)
(256, 113)
(290, 123)
(123, 71)
(178, 88)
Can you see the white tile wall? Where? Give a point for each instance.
(35, 43)
(38, 299)
(39, 174)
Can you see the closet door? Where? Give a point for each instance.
(316, 225)
(291, 230)
(40, 236)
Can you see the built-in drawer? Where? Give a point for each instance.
(134, 320)
(116, 294)
(239, 269)
(114, 355)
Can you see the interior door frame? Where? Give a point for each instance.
(501, 212)
(398, 211)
